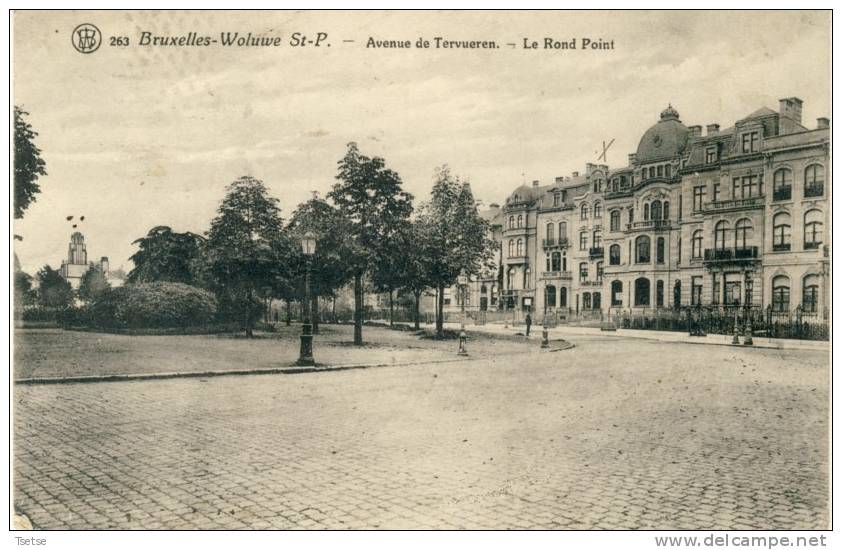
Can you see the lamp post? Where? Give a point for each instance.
(545, 340)
(305, 356)
(462, 280)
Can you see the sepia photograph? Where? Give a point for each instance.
(422, 270)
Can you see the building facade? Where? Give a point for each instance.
(733, 217)
(76, 264)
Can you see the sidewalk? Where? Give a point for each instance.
(662, 336)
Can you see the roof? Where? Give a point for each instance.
(666, 139)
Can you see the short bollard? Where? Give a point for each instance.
(736, 339)
(462, 339)
(748, 340)
(545, 340)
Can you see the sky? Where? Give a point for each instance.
(140, 136)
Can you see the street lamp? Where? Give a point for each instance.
(305, 356)
(462, 281)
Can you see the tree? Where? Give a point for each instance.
(165, 255)
(416, 267)
(371, 197)
(53, 290)
(24, 293)
(93, 284)
(457, 236)
(246, 249)
(29, 165)
(393, 262)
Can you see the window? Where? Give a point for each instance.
(510, 276)
(597, 239)
(666, 213)
(659, 250)
(511, 248)
(562, 297)
(679, 251)
(746, 187)
(656, 210)
(550, 233)
(719, 235)
(697, 244)
(549, 296)
(698, 197)
(556, 199)
(597, 300)
(562, 230)
(615, 220)
(659, 294)
(782, 185)
(716, 289)
(519, 248)
(645, 211)
(651, 172)
(744, 233)
(732, 293)
(583, 240)
(717, 190)
(597, 210)
(660, 170)
(584, 212)
(780, 293)
(781, 232)
(676, 295)
(696, 291)
(520, 220)
(751, 142)
(526, 277)
(583, 272)
(642, 250)
(564, 262)
(616, 293)
(668, 170)
(812, 229)
(641, 292)
(548, 263)
(810, 294)
(599, 272)
(631, 215)
(556, 262)
(614, 255)
(711, 155)
(586, 300)
(814, 181)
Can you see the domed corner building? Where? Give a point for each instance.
(666, 140)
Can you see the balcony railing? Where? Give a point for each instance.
(596, 252)
(781, 247)
(752, 202)
(648, 224)
(814, 190)
(563, 275)
(548, 243)
(812, 245)
(782, 193)
(731, 254)
(597, 282)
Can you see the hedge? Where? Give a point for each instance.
(150, 305)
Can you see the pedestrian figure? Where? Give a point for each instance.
(528, 322)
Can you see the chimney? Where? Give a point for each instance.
(534, 183)
(791, 108)
(603, 167)
(632, 158)
(712, 129)
(589, 167)
(559, 180)
(695, 131)
(575, 174)
(823, 122)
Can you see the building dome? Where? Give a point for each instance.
(666, 139)
(524, 193)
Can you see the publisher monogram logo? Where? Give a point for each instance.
(86, 38)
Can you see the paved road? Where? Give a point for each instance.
(612, 434)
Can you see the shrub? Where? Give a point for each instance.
(153, 305)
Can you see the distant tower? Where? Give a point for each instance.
(103, 265)
(76, 264)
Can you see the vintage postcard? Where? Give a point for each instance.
(423, 270)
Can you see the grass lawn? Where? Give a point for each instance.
(58, 353)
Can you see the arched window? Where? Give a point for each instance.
(697, 243)
(656, 210)
(562, 230)
(550, 233)
(562, 297)
(814, 181)
(782, 184)
(549, 296)
(556, 261)
(597, 210)
(511, 248)
(614, 254)
(646, 211)
(666, 214)
(780, 293)
(519, 251)
(812, 229)
(743, 233)
(642, 250)
(642, 292)
(527, 277)
(510, 277)
(810, 294)
(659, 293)
(615, 220)
(597, 238)
(583, 271)
(720, 233)
(520, 220)
(659, 250)
(483, 289)
(511, 222)
(781, 232)
(616, 293)
(584, 212)
(586, 300)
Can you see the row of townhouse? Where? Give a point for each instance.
(738, 216)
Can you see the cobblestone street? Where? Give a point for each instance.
(613, 434)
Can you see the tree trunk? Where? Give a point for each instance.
(417, 311)
(314, 314)
(289, 313)
(391, 309)
(440, 311)
(249, 330)
(358, 309)
(333, 313)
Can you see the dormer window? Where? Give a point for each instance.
(711, 155)
(751, 142)
(556, 199)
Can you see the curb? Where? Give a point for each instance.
(292, 369)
